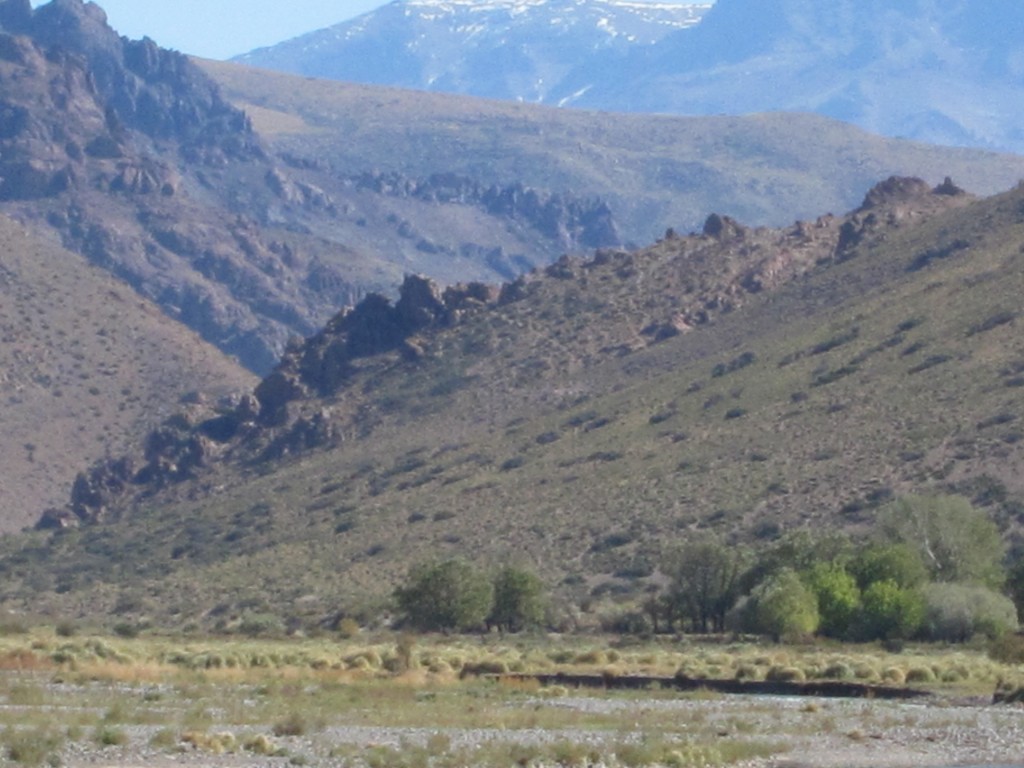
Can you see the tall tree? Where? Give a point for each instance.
(447, 595)
(957, 542)
(705, 582)
(519, 600)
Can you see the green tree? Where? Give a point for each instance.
(899, 562)
(889, 612)
(800, 550)
(519, 600)
(705, 583)
(838, 597)
(957, 542)
(783, 607)
(446, 595)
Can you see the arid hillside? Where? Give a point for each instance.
(744, 381)
(87, 366)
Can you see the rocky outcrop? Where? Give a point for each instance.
(324, 362)
(97, 490)
(573, 224)
(892, 203)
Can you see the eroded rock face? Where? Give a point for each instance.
(95, 491)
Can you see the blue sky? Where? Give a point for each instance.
(219, 29)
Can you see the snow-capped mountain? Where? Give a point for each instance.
(949, 72)
(942, 71)
(526, 50)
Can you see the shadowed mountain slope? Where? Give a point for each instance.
(742, 381)
(654, 172)
(129, 152)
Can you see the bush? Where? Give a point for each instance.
(838, 597)
(889, 612)
(956, 542)
(782, 607)
(958, 612)
(519, 600)
(449, 595)
(899, 563)
(258, 624)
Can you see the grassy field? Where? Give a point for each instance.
(388, 700)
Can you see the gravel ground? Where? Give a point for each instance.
(811, 733)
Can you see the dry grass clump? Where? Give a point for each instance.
(31, 746)
(780, 674)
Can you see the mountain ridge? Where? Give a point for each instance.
(455, 46)
(945, 73)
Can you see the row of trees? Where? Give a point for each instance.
(452, 595)
(934, 569)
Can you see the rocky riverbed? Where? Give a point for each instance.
(808, 733)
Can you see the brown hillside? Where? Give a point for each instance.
(744, 381)
(86, 366)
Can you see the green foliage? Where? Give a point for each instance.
(448, 595)
(260, 624)
(957, 542)
(783, 607)
(957, 612)
(704, 582)
(838, 597)
(520, 600)
(900, 563)
(889, 612)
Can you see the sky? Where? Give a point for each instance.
(220, 29)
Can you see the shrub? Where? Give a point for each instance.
(258, 624)
(519, 600)
(838, 671)
(888, 611)
(838, 597)
(781, 674)
(108, 736)
(900, 563)
(920, 675)
(957, 542)
(782, 607)
(293, 725)
(444, 596)
(957, 612)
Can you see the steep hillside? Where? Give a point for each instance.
(654, 172)
(86, 366)
(129, 152)
(499, 49)
(745, 381)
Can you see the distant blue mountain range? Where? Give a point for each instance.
(947, 73)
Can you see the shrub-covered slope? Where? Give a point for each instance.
(86, 366)
(746, 382)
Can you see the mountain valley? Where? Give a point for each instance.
(270, 340)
